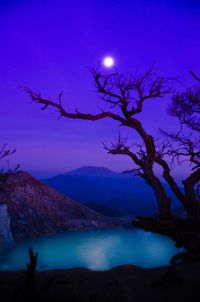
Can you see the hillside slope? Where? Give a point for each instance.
(36, 209)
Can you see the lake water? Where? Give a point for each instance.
(95, 250)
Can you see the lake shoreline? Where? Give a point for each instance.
(123, 283)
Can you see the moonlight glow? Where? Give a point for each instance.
(108, 62)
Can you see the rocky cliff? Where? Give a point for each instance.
(36, 209)
(6, 239)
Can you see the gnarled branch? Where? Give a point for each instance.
(36, 97)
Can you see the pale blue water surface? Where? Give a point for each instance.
(95, 250)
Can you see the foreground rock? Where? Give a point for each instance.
(6, 239)
(122, 284)
(36, 209)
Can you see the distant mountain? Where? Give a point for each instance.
(92, 171)
(36, 209)
(102, 187)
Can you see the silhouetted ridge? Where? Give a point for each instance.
(92, 171)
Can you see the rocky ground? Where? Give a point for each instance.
(121, 284)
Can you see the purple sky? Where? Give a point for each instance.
(49, 45)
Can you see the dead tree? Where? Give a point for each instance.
(125, 96)
(184, 146)
(4, 173)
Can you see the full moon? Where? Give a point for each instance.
(108, 62)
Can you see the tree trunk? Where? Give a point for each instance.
(193, 212)
(192, 204)
(163, 201)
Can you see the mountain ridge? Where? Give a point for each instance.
(118, 191)
(92, 170)
(35, 209)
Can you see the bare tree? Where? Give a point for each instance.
(125, 96)
(185, 147)
(4, 173)
(186, 107)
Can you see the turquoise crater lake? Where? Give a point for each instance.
(95, 250)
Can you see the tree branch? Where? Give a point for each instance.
(190, 182)
(120, 148)
(170, 180)
(194, 76)
(126, 91)
(36, 97)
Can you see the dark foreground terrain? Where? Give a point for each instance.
(125, 283)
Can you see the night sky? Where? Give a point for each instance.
(49, 46)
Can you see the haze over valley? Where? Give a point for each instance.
(111, 193)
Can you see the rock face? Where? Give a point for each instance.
(36, 209)
(6, 239)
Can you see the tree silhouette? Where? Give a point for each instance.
(185, 147)
(125, 96)
(4, 153)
